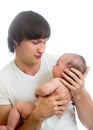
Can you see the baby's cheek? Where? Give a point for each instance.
(54, 93)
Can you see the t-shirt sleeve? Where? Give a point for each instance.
(4, 98)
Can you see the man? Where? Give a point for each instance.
(27, 36)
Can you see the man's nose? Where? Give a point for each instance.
(41, 48)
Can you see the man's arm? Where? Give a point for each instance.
(46, 107)
(84, 107)
(33, 123)
(4, 112)
(74, 80)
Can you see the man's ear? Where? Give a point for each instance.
(15, 43)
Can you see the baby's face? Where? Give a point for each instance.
(58, 69)
(61, 65)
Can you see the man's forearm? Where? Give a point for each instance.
(84, 106)
(33, 123)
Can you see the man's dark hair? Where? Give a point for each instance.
(27, 25)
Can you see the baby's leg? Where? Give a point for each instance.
(20, 110)
(4, 127)
(13, 119)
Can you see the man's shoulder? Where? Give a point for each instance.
(5, 70)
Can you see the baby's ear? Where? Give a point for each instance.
(86, 71)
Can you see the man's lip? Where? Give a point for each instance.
(38, 56)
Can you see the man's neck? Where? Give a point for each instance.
(30, 69)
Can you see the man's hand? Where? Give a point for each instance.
(74, 80)
(51, 105)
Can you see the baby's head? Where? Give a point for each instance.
(69, 60)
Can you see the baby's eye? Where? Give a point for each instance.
(56, 64)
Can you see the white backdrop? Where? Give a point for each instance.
(71, 23)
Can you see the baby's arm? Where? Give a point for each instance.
(48, 88)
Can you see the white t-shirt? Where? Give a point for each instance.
(66, 122)
(16, 86)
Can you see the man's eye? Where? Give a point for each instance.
(34, 42)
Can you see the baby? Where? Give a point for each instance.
(23, 109)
